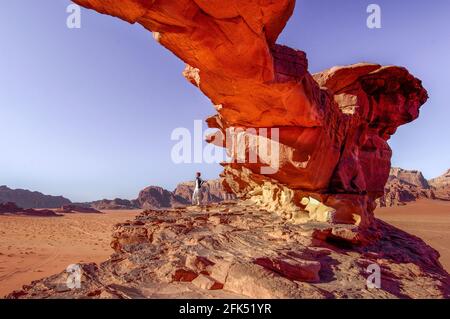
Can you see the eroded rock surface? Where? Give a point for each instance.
(234, 251)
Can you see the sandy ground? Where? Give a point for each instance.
(427, 219)
(35, 247)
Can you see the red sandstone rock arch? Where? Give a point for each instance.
(334, 126)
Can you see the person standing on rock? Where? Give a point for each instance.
(197, 196)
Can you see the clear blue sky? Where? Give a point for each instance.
(88, 113)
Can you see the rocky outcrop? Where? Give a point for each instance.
(237, 251)
(13, 209)
(28, 199)
(115, 204)
(441, 186)
(304, 141)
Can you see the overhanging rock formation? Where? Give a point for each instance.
(332, 127)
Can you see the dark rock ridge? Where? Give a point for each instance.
(28, 199)
(71, 209)
(13, 209)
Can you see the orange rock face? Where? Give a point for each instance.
(333, 158)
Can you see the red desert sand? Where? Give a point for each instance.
(35, 247)
(426, 219)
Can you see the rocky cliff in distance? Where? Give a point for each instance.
(406, 186)
(27, 199)
(441, 186)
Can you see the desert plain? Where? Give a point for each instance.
(35, 247)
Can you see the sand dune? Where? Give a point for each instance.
(427, 219)
(36, 247)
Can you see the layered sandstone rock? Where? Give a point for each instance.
(331, 129)
(237, 251)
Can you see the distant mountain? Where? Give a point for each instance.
(406, 186)
(152, 197)
(27, 199)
